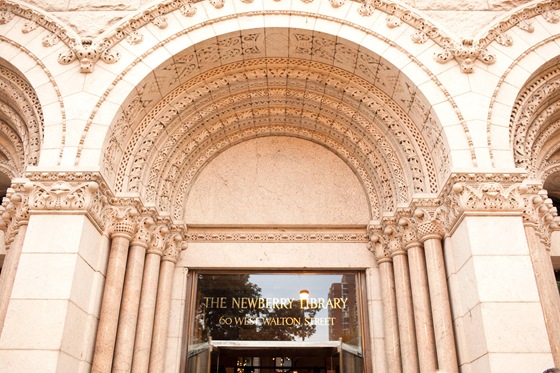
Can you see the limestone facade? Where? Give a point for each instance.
(414, 142)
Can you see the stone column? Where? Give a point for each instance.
(387, 285)
(499, 329)
(537, 219)
(16, 214)
(407, 334)
(431, 233)
(173, 247)
(420, 296)
(122, 230)
(147, 308)
(131, 297)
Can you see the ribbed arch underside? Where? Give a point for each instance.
(535, 127)
(21, 122)
(165, 134)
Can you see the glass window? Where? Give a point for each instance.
(277, 307)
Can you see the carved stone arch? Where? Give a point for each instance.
(535, 128)
(21, 112)
(341, 111)
(534, 117)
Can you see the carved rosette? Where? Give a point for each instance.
(540, 214)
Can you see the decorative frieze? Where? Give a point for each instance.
(88, 52)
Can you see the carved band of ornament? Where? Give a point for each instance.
(89, 53)
(276, 237)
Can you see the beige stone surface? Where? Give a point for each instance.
(277, 180)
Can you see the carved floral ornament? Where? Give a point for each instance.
(465, 195)
(84, 193)
(88, 52)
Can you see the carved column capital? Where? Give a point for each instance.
(174, 244)
(429, 225)
(122, 221)
(69, 192)
(540, 214)
(15, 209)
(377, 244)
(158, 237)
(392, 237)
(408, 230)
(145, 224)
(482, 194)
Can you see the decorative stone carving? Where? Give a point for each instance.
(392, 237)
(318, 235)
(122, 220)
(408, 230)
(466, 53)
(88, 53)
(488, 193)
(70, 192)
(158, 236)
(145, 225)
(155, 15)
(174, 245)
(540, 214)
(15, 209)
(200, 135)
(377, 244)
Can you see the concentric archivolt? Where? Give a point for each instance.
(21, 121)
(162, 155)
(535, 128)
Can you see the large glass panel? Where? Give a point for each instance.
(277, 307)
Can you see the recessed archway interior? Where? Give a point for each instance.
(276, 82)
(535, 128)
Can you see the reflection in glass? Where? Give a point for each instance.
(269, 307)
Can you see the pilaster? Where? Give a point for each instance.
(496, 306)
(60, 274)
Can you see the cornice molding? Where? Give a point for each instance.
(88, 51)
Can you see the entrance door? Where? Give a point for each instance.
(276, 323)
(281, 357)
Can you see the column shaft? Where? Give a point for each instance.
(9, 270)
(548, 290)
(129, 309)
(146, 312)
(422, 311)
(161, 322)
(441, 307)
(392, 344)
(405, 313)
(110, 304)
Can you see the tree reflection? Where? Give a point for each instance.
(220, 318)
